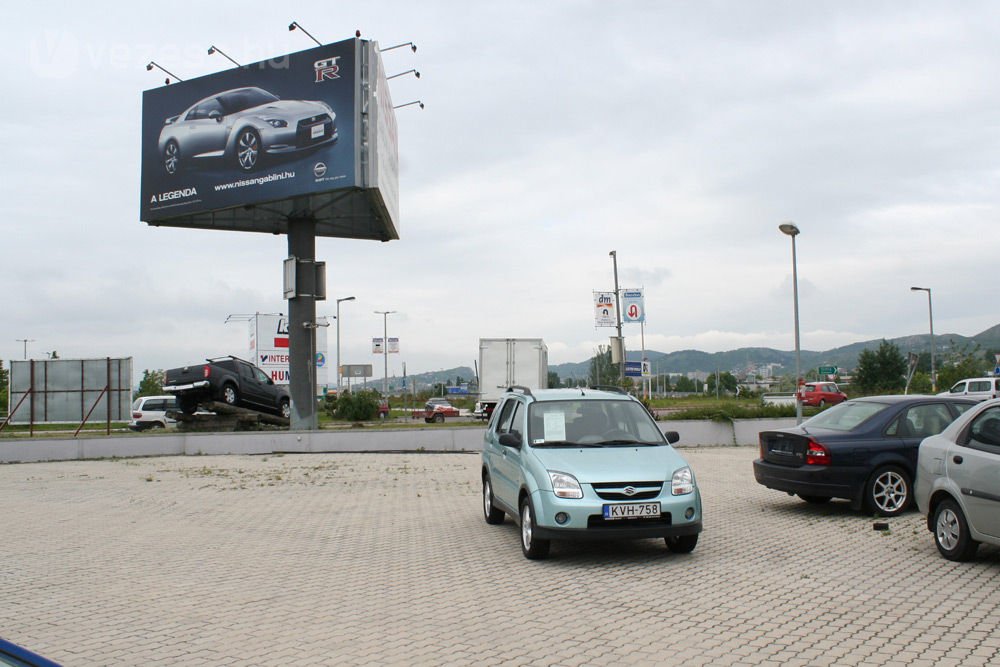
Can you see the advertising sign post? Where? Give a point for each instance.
(303, 145)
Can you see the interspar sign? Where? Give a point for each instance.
(316, 127)
(269, 348)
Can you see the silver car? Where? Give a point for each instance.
(958, 482)
(242, 125)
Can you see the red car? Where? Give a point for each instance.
(436, 410)
(822, 394)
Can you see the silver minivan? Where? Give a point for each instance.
(979, 388)
(958, 482)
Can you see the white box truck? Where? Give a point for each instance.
(505, 362)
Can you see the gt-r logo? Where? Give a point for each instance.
(327, 69)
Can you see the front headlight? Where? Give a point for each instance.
(277, 122)
(682, 482)
(565, 485)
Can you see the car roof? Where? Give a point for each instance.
(903, 398)
(574, 394)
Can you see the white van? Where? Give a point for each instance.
(979, 388)
(151, 412)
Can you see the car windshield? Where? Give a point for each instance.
(589, 423)
(245, 98)
(846, 416)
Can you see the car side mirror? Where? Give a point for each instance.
(216, 115)
(511, 440)
(672, 436)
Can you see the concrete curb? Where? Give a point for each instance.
(693, 434)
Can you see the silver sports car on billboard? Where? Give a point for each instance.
(243, 124)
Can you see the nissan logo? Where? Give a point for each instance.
(319, 169)
(629, 491)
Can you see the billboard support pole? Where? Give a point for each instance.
(301, 323)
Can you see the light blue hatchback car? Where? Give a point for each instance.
(586, 464)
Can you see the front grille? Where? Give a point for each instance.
(617, 490)
(598, 521)
(303, 132)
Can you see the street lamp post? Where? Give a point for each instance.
(793, 231)
(385, 348)
(619, 342)
(25, 341)
(930, 313)
(346, 298)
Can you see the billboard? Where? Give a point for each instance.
(70, 390)
(310, 133)
(269, 348)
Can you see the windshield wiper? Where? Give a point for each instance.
(620, 441)
(566, 443)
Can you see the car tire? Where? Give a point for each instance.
(532, 547)
(815, 500)
(171, 157)
(889, 491)
(439, 418)
(951, 532)
(230, 396)
(157, 425)
(491, 513)
(681, 544)
(285, 408)
(248, 149)
(822, 403)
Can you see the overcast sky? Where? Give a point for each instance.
(678, 133)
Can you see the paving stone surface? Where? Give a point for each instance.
(371, 559)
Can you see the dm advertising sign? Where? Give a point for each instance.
(215, 147)
(269, 348)
(604, 309)
(633, 307)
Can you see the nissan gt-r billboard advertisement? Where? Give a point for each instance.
(231, 150)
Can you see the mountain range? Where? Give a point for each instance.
(694, 361)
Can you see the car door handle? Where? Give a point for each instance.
(957, 459)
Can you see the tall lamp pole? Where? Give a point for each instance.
(620, 342)
(385, 348)
(930, 313)
(346, 298)
(793, 231)
(25, 341)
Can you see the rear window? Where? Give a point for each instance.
(846, 416)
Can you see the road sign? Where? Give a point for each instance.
(604, 309)
(633, 369)
(827, 370)
(633, 306)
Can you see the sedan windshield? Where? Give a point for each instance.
(846, 416)
(590, 423)
(245, 98)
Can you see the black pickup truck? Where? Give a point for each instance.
(229, 380)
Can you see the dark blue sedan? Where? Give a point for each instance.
(863, 450)
(13, 655)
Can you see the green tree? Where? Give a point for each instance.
(602, 371)
(358, 405)
(684, 383)
(4, 387)
(961, 362)
(727, 383)
(882, 371)
(554, 382)
(152, 383)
